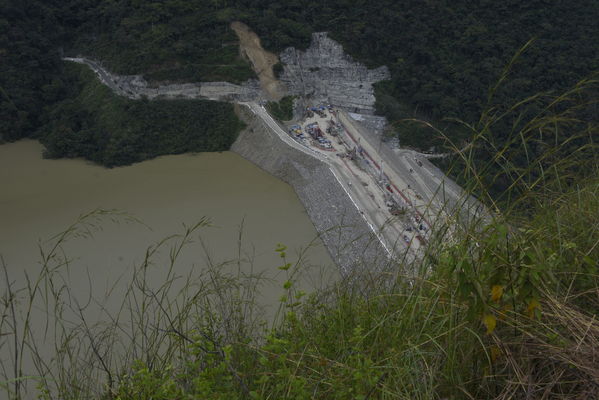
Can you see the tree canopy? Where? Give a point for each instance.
(444, 57)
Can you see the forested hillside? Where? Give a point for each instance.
(73, 115)
(30, 66)
(164, 40)
(444, 57)
(111, 130)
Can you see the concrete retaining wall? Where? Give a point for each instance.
(346, 235)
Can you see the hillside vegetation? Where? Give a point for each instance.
(174, 40)
(30, 67)
(282, 109)
(98, 125)
(444, 56)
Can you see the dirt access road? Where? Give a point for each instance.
(262, 61)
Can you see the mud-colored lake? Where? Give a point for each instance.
(40, 198)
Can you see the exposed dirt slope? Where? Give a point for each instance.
(262, 61)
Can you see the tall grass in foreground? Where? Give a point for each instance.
(505, 310)
(56, 344)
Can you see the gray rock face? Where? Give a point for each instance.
(373, 123)
(326, 73)
(135, 87)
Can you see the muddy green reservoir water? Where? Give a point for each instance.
(40, 198)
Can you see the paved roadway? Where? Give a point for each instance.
(216, 91)
(440, 197)
(372, 196)
(411, 188)
(369, 207)
(261, 112)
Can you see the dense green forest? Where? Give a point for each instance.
(73, 115)
(444, 57)
(164, 40)
(111, 130)
(283, 109)
(31, 76)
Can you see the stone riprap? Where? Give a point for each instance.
(136, 87)
(324, 72)
(349, 240)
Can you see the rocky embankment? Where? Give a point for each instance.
(135, 87)
(343, 230)
(324, 72)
